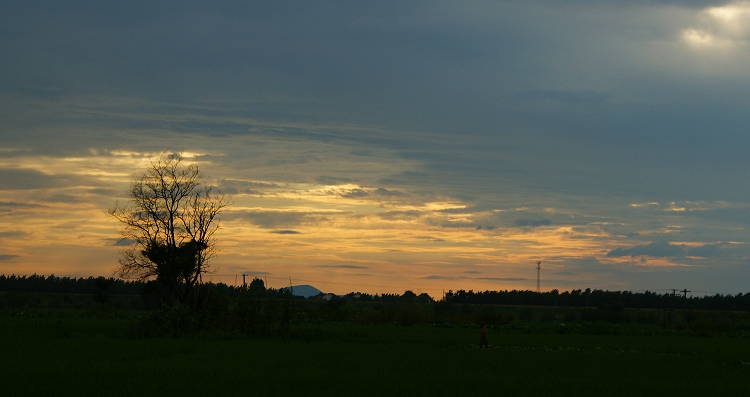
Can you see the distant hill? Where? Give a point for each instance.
(305, 290)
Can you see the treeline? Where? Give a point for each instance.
(149, 289)
(101, 287)
(70, 285)
(600, 298)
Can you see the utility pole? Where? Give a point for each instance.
(244, 283)
(685, 292)
(538, 276)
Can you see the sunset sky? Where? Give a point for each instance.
(379, 146)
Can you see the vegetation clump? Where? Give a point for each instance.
(170, 224)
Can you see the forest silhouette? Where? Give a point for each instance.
(575, 298)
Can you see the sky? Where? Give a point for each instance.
(380, 146)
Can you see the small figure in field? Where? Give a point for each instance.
(483, 343)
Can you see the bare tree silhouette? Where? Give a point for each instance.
(171, 220)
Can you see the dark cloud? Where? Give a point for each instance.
(342, 266)
(382, 192)
(436, 277)
(13, 179)
(403, 178)
(666, 250)
(275, 219)
(103, 192)
(10, 204)
(12, 234)
(485, 227)
(330, 180)
(450, 224)
(400, 215)
(229, 186)
(738, 215)
(7, 257)
(533, 222)
(382, 50)
(65, 198)
(356, 193)
(232, 190)
(704, 251)
(655, 249)
(285, 231)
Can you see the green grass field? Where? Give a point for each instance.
(91, 356)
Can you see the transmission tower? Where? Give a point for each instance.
(538, 276)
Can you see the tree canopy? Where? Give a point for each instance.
(171, 220)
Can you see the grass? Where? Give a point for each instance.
(90, 356)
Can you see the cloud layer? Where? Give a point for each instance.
(411, 143)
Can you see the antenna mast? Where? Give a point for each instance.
(538, 274)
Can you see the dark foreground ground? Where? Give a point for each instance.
(87, 355)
